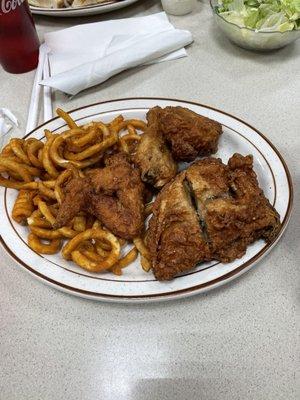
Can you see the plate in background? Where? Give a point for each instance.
(81, 11)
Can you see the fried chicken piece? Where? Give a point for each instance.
(113, 194)
(174, 237)
(173, 134)
(77, 194)
(187, 133)
(245, 187)
(120, 205)
(153, 157)
(230, 208)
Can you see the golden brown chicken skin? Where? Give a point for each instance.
(153, 157)
(226, 203)
(174, 238)
(232, 208)
(187, 134)
(173, 134)
(114, 195)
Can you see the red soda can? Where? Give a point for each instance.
(19, 43)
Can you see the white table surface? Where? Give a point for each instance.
(237, 342)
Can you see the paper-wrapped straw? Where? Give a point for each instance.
(33, 112)
(48, 112)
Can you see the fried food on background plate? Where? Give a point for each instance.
(68, 3)
(231, 212)
(113, 194)
(187, 134)
(153, 157)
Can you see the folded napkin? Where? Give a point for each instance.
(86, 55)
(7, 120)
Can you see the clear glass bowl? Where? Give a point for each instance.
(249, 38)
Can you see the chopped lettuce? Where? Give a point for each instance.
(262, 15)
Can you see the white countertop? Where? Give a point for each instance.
(237, 342)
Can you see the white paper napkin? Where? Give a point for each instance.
(7, 120)
(86, 55)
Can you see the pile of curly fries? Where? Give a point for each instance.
(39, 170)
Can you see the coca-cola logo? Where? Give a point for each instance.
(7, 6)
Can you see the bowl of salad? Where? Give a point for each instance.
(261, 25)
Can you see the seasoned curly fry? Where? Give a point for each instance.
(49, 184)
(40, 155)
(39, 222)
(136, 123)
(32, 170)
(17, 148)
(47, 162)
(7, 151)
(33, 153)
(125, 261)
(102, 248)
(145, 255)
(67, 232)
(11, 165)
(70, 250)
(42, 233)
(116, 122)
(140, 245)
(37, 245)
(37, 219)
(15, 159)
(145, 263)
(92, 255)
(131, 130)
(23, 206)
(18, 185)
(28, 142)
(30, 185)
(97, 148)
(65, 116)
(86, 139)
(88, 162)
(46, 212)
(45, 191)
(87, 235)
(14, 184)
(58, 143)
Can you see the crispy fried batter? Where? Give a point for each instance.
(265, 222)
(153, 157)
(187, 134)
(120, 204)
(173, 133)
(175, 237)
(232, 212)
(113, 194)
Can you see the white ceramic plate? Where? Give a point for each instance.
(81, 11)
(136, 285)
